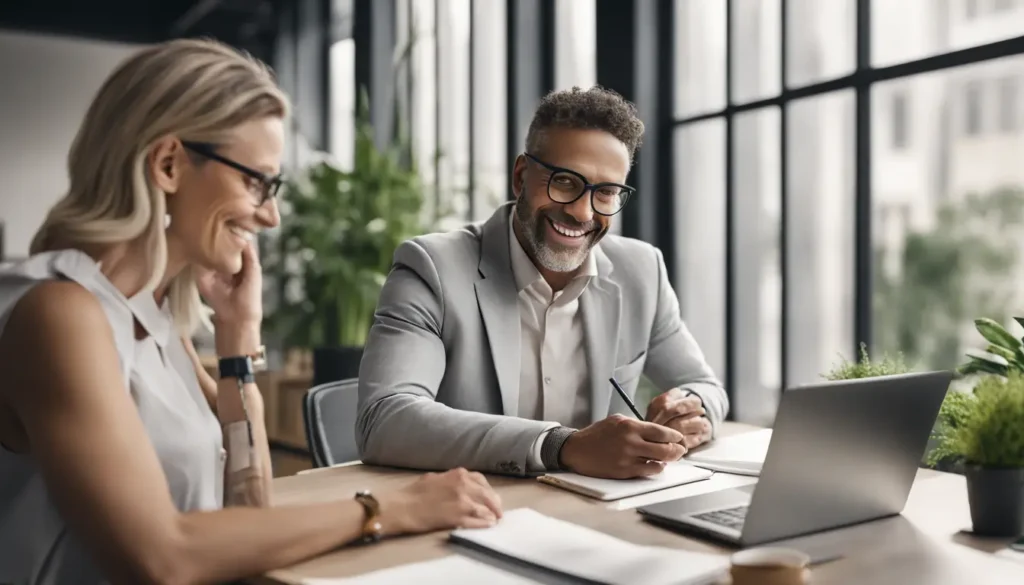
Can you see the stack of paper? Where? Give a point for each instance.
(568, 549)
(674, 474)
(743, 454)
(450, 570)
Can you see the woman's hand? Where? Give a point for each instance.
(237, 303)
(437, 501)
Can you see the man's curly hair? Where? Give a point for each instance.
(595, 108)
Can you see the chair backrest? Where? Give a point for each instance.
(329, 411)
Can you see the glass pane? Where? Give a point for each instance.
(915, 29)
(343, 102)
(575, 43)
(700, 235)
(490, 105)
(453, 108)
(819, 235)
(756, 47)
(822, 40)
(757, 328)
(948, 212)
(423, 118)
(700, 56)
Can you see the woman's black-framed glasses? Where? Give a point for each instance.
(268, 186)
(566, 186)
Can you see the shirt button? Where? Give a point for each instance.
(547, 380)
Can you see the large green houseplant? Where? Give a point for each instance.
(982, 431)
(339, 232)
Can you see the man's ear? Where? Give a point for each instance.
(518, 181)
(164, 163)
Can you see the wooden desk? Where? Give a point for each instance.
(923, 546)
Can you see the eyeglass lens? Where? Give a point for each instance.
(566, 187)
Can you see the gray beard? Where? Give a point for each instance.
(532, 228)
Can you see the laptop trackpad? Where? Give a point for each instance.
(705, 502)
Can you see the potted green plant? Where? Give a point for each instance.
(339, 232)
(866, 368)
(983, 430)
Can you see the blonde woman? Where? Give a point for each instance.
(121, 460)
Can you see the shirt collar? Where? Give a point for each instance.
(155, 319)
(525, 272)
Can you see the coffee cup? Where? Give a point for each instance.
(770, 566)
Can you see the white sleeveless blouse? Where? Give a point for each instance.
(36, 547)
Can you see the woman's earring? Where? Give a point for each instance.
(167, 220)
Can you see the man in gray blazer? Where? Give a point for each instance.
(493, 345)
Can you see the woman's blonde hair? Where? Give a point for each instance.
(194, 89)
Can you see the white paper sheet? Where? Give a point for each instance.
(450, 570)
(567, 548)
(674, 474)
(742, 454)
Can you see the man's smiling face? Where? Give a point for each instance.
(559, 236)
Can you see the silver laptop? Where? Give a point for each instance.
(841, 453)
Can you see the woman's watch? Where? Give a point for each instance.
(372, 528)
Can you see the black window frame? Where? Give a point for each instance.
(862, 80)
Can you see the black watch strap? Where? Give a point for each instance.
(236, 367)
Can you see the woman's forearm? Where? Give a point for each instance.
(214, 547)
(248, 474)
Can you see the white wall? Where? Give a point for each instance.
(47, 84)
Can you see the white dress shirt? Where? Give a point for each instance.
(554, 381)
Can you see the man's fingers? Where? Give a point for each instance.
(689, 424)
(666, 452)
(656, 433)
(688, 405)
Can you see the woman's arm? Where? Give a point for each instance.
(248, 473)
(62, 379)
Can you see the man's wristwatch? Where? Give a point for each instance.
(372, 528)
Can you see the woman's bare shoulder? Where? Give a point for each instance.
(55, 308)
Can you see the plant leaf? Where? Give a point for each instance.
(995, 333)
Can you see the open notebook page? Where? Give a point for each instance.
(569, 549)
(674, 474)
(743, 454)
(450, 570)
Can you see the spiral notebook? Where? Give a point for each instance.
(675, 474)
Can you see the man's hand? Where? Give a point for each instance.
(683, 413)
(619, 447)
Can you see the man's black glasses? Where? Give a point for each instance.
(566, 186)
(268, 185)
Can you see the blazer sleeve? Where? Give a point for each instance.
(400, 423)
(673, 357)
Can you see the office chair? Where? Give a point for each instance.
(329, 412)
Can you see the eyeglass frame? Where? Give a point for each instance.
(271, 184)
(587, 186)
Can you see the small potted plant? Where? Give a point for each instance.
(983, 430)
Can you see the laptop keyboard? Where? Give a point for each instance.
(729, 517)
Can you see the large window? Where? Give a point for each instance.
(846, 172)
(452, 98)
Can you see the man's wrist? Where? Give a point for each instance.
(551, 449)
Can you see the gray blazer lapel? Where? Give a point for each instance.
(601, 306)
(499, 306)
